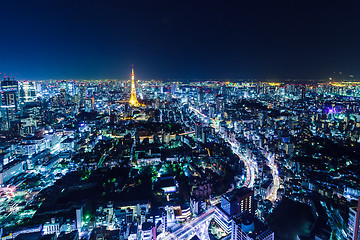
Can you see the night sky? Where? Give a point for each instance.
(179, 39)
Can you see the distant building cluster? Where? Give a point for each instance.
(133, 159)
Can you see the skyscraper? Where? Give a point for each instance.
(200, 95)
(27, 92)
(354, 222)
(233, 203)
(9, 102)
(237, 201)
(82, 94)
(246, 226)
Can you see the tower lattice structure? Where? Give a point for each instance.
(133, 100)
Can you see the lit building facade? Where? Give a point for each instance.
(9, 102)
(238, 201)
(354, 223)
(232, 203)
(247, 227)
(27, 92)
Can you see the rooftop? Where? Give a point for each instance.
(238, 193)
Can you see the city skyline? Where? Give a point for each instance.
(173, 160)
(172, 40)
(242, 120)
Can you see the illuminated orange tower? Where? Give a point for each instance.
(133, 100)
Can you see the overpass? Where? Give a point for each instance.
(198, 226)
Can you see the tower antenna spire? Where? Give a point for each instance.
(133, 100)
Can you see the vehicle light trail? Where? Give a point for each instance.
(251, 166)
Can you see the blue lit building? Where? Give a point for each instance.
(9, 103)
(232, 203)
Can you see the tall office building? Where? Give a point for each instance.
(200, 95)
(9, 102)
(262, 118)
(303, 92)
(30, 110)
(71, 88)
(246, 226)
(220, 104)
(62, 96)
(354, 222)
(89, 104)
(233, 203)
(79, 218)
(147, 232)
(164, 221)
(237, 201)
(198, 130)
(27, 92)
(82, 95)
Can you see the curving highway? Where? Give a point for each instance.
(250, 165)
(276, 180)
